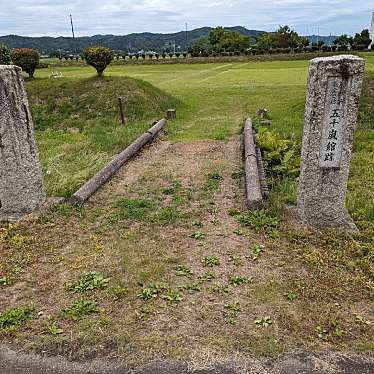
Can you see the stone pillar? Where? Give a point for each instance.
(334, 89)
(371, 46)
(21, 183)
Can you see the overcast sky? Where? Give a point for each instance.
(51, 17)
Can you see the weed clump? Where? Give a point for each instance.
(259, 220)
(16, 317)
(210, 261)
(212, 182)
(90, 281)
(80, 309)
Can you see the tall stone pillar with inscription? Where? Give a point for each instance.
(21, 183)
(334, 89)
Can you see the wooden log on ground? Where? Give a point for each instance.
(105, 174)
(261, 174)
(252, 179)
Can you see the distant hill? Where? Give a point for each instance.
(127, 43)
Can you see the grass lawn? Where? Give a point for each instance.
(164, 262)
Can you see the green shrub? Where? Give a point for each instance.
(27, 59)
(98, 57)
(4, 55)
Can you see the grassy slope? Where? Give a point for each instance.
(78, 128)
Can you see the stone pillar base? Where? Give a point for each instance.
(344, 223)
(47, 205)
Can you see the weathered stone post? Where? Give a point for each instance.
(21, 183)
(334, 89)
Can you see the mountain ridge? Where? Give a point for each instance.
(128, 43)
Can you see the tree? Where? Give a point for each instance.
(98, 57)
(284, 37)
(362, 39)
(233, 41)
(215, 36)
(27, 59)
(343, 40)
(4, 55)
(201, 47)
(225, 40)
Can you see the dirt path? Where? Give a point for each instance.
(168, 222)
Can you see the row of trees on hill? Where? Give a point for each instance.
(283, 40)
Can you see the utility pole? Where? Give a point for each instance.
(186, 36)
(72, 26)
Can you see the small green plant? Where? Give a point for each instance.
(212, 182)
(183, 271)
(198, 235)
(264, 321)
(257, 250)
(207, 277)
(232, 311)
(322, 333)
(197, 223)
(210, 261)
(291, 296)
(360, 320)
(4, 281)
(16, 317)
(231, 321)
(238, 175)
(238, 280)
(90, 281)
(236, 260)
(80, 309)
(51, 326)
(191, 287)
(238, 232)
(27, 59)
(119, 292)
(151, 292)
(172, 296)
(219, 289)
(233, 307)
(98, 57)
(259, 220)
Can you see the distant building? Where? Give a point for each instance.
(371, 46)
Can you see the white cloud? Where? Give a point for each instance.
(47, 17)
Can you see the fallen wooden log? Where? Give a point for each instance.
(252, 179)
(105, 174)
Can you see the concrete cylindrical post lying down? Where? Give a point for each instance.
(252, 179)
(105, 174)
